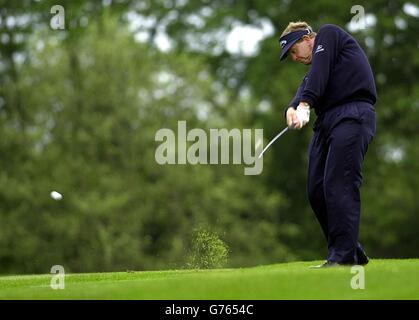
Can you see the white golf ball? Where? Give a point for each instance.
(56, 195)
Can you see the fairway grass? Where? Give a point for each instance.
(384, 279)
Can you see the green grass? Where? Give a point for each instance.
(384, 279)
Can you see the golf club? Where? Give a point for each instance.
(272, 141)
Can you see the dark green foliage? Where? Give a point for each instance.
(208, 250)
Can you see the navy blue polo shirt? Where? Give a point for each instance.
(339, 73)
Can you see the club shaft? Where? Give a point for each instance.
(272, 141)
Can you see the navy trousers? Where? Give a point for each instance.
(339, 144)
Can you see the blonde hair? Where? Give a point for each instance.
(298, 25)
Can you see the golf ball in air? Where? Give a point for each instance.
(56, 195)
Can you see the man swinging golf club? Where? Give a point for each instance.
(340, 88)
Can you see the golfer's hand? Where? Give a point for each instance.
(303, 114)
(292, 119)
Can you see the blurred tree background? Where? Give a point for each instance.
(80, 107)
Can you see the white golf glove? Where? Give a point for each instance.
(303, 113)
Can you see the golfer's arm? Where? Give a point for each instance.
(323, 61)
(296, 101)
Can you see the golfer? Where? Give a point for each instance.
(339, 87)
